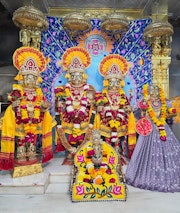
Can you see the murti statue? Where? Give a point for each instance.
(155, 163)
(74, 101)
(27, 116)
(36, 38)
(30, 37)
(115, 118)
(25, 37)
(95, 175)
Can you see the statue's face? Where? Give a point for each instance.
(154, 93)
(30, 80)
(76, 78)
(114, 83)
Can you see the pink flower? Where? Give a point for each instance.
(48, 40)
(112, 180)
(30, 138)
(173, 110)
(143, 104)
(15, 95)
(108, 171)
(111, 159)
(45, 89)
(117, 190)
(86, 180)
(163, 138)
(90, 153)
(80, 190)
(80, 158)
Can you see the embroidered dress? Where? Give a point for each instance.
(155, 164)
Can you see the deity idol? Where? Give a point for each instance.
(155, 163)
(27, 116)
(96, 175)
(115, 118)
(74, 101)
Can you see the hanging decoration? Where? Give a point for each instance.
(115, 24)
(31, 22)
(76, 24)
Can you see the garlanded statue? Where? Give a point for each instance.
(74, 101)
(27, 116)
(115, 118)
(155, 163)
(95, 175)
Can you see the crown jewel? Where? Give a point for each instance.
(114, 71)
(76, 65)
(30, 67)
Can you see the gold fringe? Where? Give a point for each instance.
(131, 129)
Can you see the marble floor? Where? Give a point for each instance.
(49, 192)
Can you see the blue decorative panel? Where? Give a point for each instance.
(132, 46)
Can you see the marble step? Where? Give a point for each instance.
(54, 179)
(32, 184)
(53, 172)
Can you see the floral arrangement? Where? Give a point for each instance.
(97, 182)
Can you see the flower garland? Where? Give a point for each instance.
(22, 110)
(76, 108)
(121, 117)
(69, 100)
(121, 92)
(159, 122)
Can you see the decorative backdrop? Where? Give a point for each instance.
(131, 46)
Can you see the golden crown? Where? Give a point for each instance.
(113, 65)
(76, 59)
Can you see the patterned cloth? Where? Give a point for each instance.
(155, 164)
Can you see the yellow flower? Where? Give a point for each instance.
(114, 123)
(76, 132)
(91, 169)
(105, 83)
(67, 75)
(67, 92)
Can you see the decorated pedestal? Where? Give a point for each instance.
(21, 171)
(95, 175)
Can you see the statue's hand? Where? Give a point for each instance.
(100, 108)
(73, 150)
(128, 109)
(15, 103)
(45, 106)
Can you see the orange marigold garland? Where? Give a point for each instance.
(159, 122)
